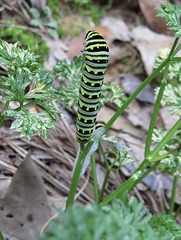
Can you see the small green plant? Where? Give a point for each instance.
(120, 220)
(28, 84)
(47, 21)
(27, 39)
(85, 7)
(55, 8)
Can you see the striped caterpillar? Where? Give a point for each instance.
(95, 60)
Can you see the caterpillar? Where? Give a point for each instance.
(95, 60)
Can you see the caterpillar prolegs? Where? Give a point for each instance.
(95, 60)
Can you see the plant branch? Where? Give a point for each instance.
(3, 114)
(172, 202)
(132, 97)
(169, 134)
(96, 194)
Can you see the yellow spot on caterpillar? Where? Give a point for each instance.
(87, 109)
(95, 73)
(91, 48)
(98, 95)
(95, 108)
(89, 131)
(81, 106)
(100, 83)
(83, 67)
(82, 93)
(98, 61)
(92, 121)
(85, 121)
(88, 70)
(85, 81)
(98, 47)
(79, 118)
(90, 96)
(92, 84)
(103, 72)
(83, 131)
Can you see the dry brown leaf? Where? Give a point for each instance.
(149, 44)
(131, 82)
(75, 46)
(100, 175)
(168, 120)
(139, 115)
(149, 12)
(4, 184)
(24, 209)
(119, 29)
(56, 53)
(121, 124)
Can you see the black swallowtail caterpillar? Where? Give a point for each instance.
(95, 60)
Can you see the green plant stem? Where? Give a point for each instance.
(93, 162)
(153, 120)
(3, 115)
(172, 202)
(136, 92)
(169, 134)
(131, 181)
(165, 154)
(145, 174)
(104, 185)
(177, 49)
(106, 175)
(128, 185)
(77, 171)
(157, 104)
(103, 155)
(1, 236)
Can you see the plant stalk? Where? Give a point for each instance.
(77, 171)
(136, 92)
(172, 202)
(3, 115)
(93, 162)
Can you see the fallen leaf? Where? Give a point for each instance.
(130, 83)
(149, 44)
(121, 124)
(4, 184)
(24, 209)
(168, 120)
(75, 46)
(139, 115)
(119, 29)
(149, 12)
(56, 53)
(100, 175)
